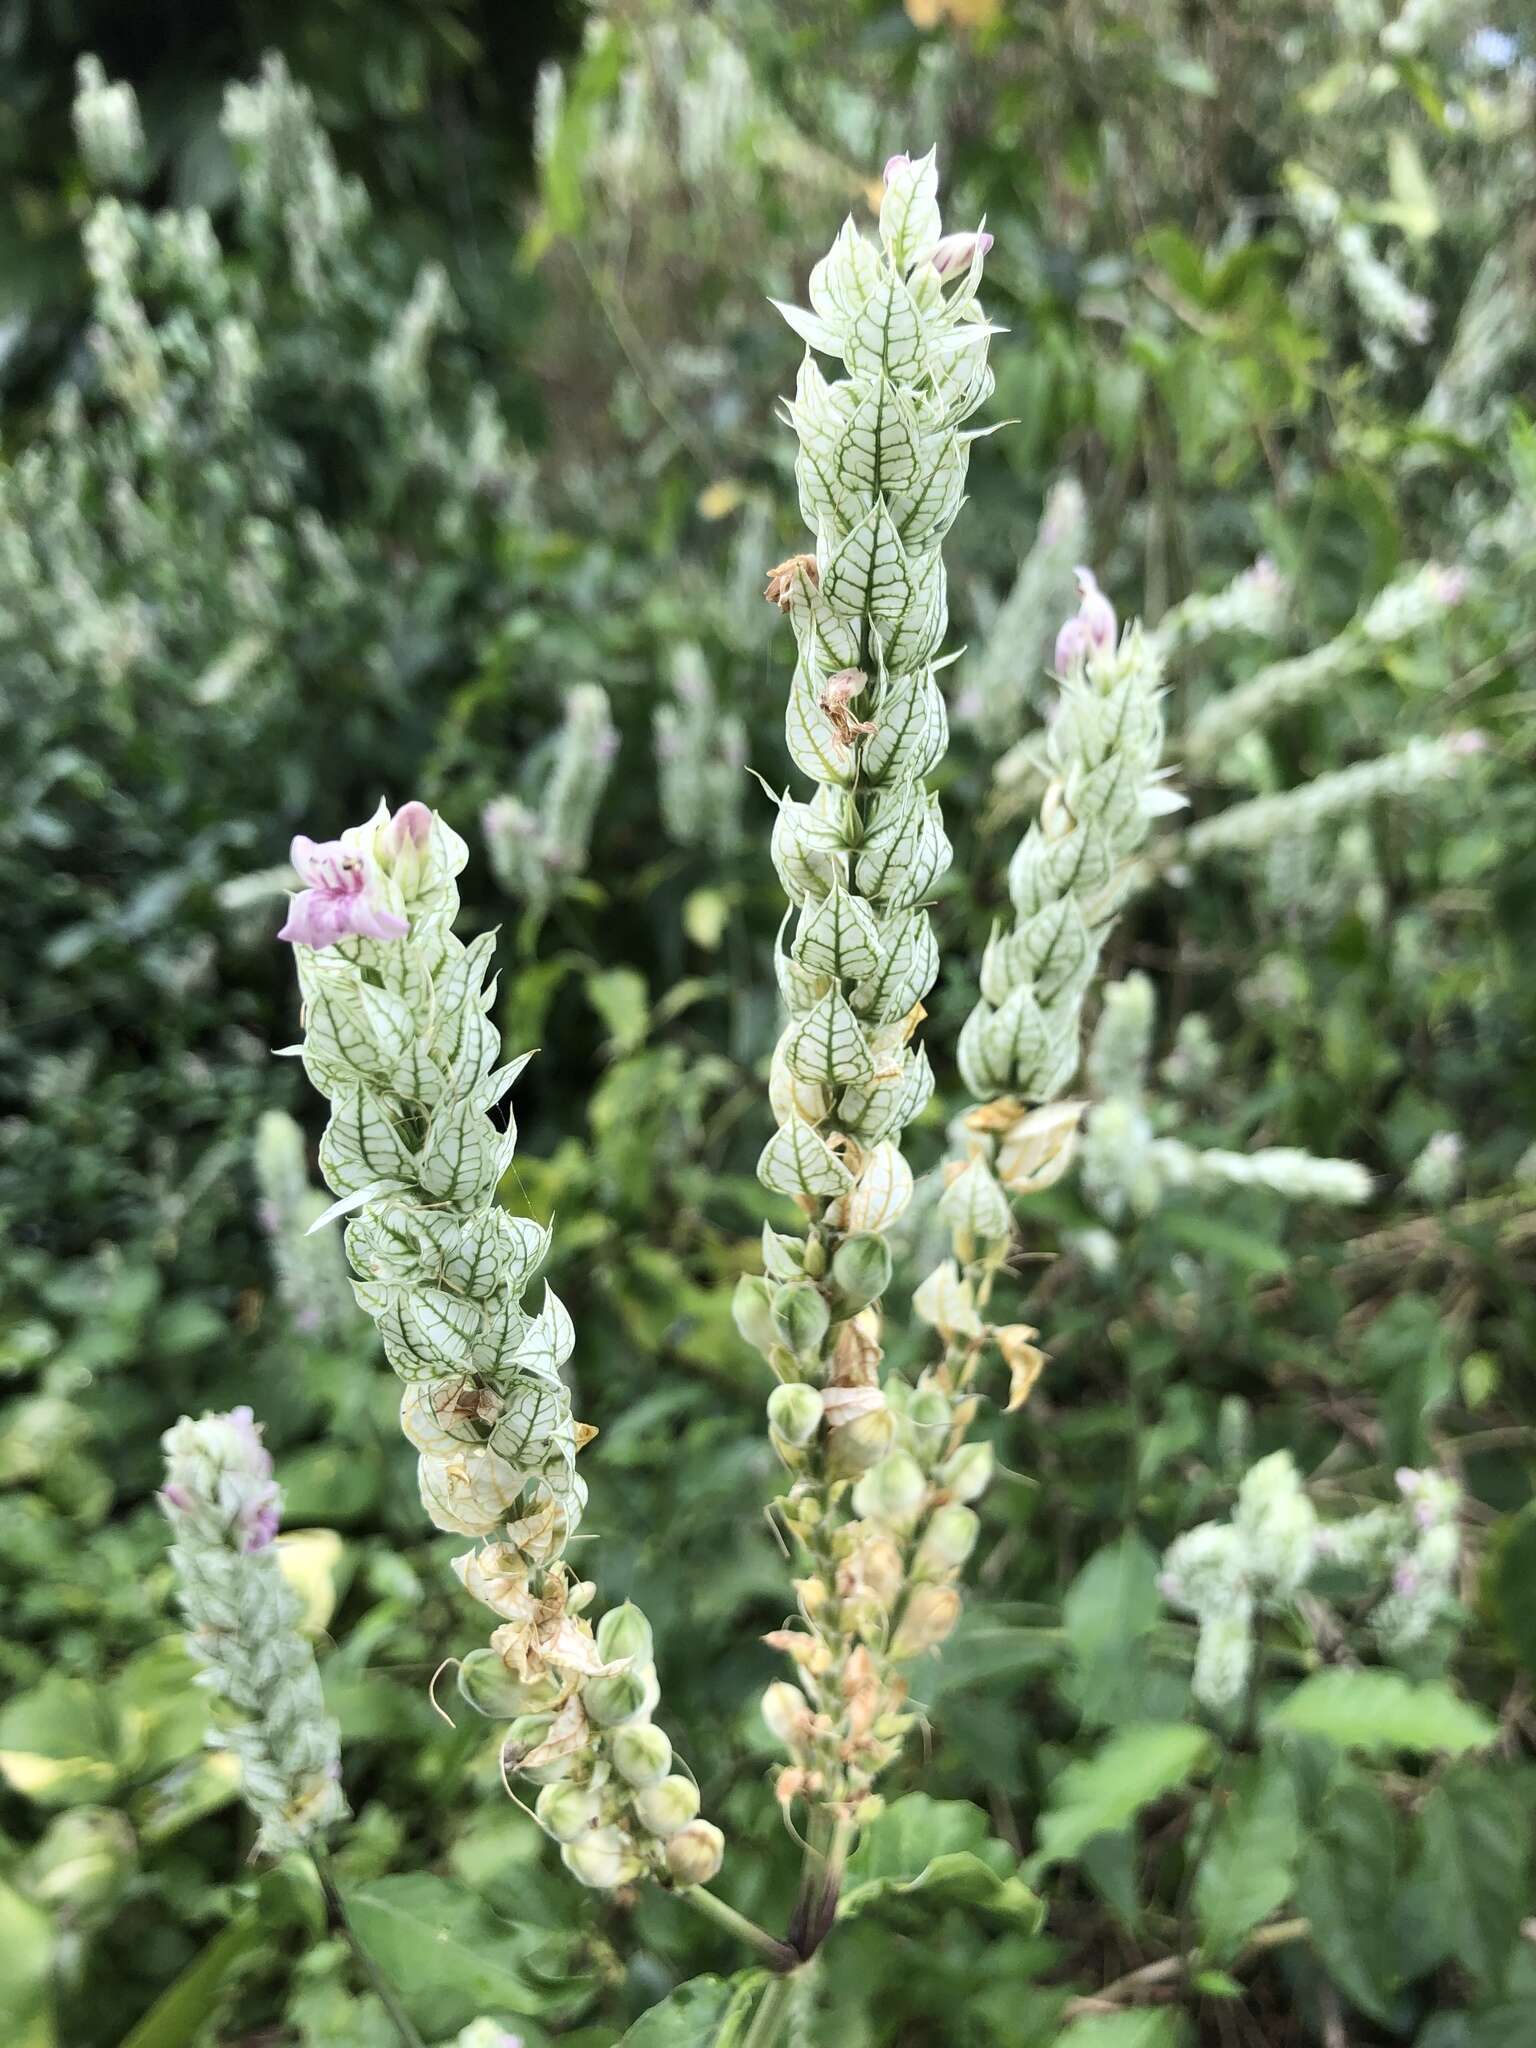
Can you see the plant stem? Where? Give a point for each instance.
(399, 2019)
(777, 1954)
(773, 2009)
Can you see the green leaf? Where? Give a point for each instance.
(1100, 1794)
(1514, 1585)
(181, 2012)
(706, 2012)
(61, 1744)
(1345, 1886)
(451, 1959)
(943, 1849)
(622, 1000)
(26, 1971)
(1378, 1712)
(1125, 2030)
(1111, 1608)
(1223, 1240)
(1474, 1870)
(1247, 1871)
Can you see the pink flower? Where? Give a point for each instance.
(900, 162)
(1469, 742)
(1090, 630)
(954, 252)
(1449, 585)
(338, 901)
(411, 825)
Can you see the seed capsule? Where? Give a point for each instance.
(641, 1753)
(624, 1636)
(566, 1811)
(602, 1858)
(892, 1491)
(695, 1852)
(666, 1807)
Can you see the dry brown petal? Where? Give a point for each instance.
(1025, 1361)
(780, 588)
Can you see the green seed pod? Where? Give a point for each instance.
(663, 1809)
(602, 1859)
(930, 1615)
(856, 1445)
(624, 1636)
(752, 1309)
(929, 1419)
(794, 1413)
(801, 1318)
(526, 1733)
(613, 1700)
(641, 1753)
(947, 1542)
(492, 1690)
(861, 1272)
(695, 1853)
(967, 1474)
(892, 1491)
(566, 1811)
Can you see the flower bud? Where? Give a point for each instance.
(664, 1808)
(1034, 1153)
(929, 1616)
(861, 1272)
(967, 1474)
(624, 1636)
(615, 1699)
(752, 1310)
(955, 252)
(602, 1858)
(566, 1811)
(947, 1542)
(801, 1317)
(783, 1257)
(695, 1853)
(794, 1413)
(641, 1753)
(787, 1713)
(892, 1491)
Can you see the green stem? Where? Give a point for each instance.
(773, 2009)
(388, 1997)
(777, 1954)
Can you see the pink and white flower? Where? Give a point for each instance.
(339, 900)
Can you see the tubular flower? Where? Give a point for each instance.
(398, 1037)
(223, 1507)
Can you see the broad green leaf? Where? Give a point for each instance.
(706, 2012)
(1378, 1712)
(180, 2014)
(1248, 1868)
(1100, 1794)
(1345, 1886)
(1474, 1871)
(1111, 1608)
(451, 1959)
(62, 1743)
(944, 1850)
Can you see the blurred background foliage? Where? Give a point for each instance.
(331, 467)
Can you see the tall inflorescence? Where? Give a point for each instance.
(881, 471)
(1128, 1162)
(1003, 676)
(398, 1037)
(1398, 1563)
(1417, 603)
(312, 1277)
(701, 752)
(223, 1507)
(537, 849)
